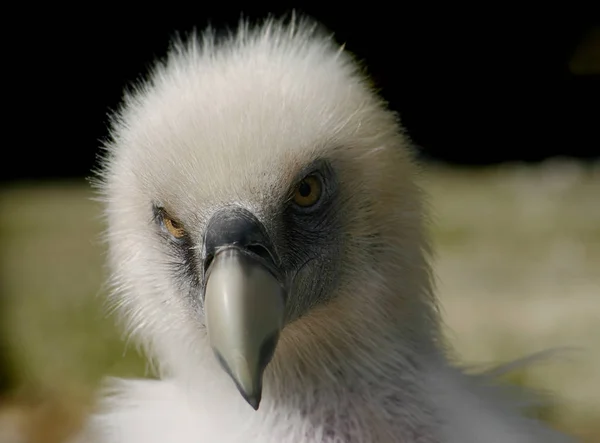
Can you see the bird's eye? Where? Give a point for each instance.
(308, 191)
(173, 227)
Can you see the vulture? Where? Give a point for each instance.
(267, 240)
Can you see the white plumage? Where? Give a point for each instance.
(236, 124)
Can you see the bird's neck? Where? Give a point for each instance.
(363, 362)
(380, 394)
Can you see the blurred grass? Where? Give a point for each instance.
(518, 269)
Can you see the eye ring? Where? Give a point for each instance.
(172, 226)
(308, 191)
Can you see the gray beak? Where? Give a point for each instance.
(244, 299)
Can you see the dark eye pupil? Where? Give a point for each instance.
(304, 189)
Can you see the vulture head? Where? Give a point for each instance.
(267, 245)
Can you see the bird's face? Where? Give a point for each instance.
(246, 194)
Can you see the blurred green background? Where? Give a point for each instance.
(518, 267)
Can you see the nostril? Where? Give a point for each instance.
(261, 251)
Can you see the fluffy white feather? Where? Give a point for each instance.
(228, 122)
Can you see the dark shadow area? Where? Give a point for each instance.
(472, 87)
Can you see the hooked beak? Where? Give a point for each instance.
(244, 299)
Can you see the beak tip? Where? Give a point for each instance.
(252, 394)
(253, 400)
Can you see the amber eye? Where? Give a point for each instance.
(308, 191)
(174, 228)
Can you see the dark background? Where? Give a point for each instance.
(472, 86)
